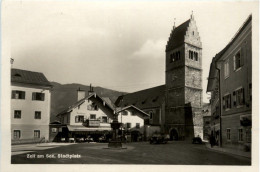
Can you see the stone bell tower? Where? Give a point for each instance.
(183, 77)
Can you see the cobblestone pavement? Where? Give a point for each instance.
(178, 153)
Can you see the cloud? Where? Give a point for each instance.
(151, 49)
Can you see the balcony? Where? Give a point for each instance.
(91, 123)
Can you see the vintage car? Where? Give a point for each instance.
(89, 139)
(158, 138)
(196, 140)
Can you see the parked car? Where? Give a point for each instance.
(80, 140)
(102, 139)
(89, 139)
(196, 140)
(158, 138)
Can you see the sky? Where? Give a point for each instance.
(116, 45)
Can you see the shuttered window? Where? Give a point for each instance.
(38, 96)
(239, 97)
(16, 94)
(238, 60)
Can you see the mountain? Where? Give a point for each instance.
(62, 96)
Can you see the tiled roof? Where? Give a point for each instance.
(109, 101)
(149, 98)
(29, 77)
(213, 72)
(76, 104)
(248, 20)
(212, 76)
(177, 35)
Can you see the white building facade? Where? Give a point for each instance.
(30, 106)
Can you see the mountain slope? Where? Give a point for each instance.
(62, 96)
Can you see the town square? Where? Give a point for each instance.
(130, 83)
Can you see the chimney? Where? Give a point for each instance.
(81, 94)
(90, 90)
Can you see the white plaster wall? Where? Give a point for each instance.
(28, 108)
(83, 110)
(129, 118)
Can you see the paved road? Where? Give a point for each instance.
(174, 153)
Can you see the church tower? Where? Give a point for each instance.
(183, 77)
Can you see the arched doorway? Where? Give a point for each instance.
(174, 134)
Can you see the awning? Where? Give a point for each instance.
(82, 128)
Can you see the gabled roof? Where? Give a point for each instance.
(109, 101)
(148, 98)
(78, 103)
(29, 77)
(177, 35)
(132, 108)
(213, 74)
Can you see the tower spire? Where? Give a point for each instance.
(191, 16)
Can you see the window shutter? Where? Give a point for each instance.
(235, 98)
(33, 96)
(23, 95)
(224, 103)
(43, 96)
(234, 62)
(242, 56)
(243, 94)
(76, 118)
(13, 94)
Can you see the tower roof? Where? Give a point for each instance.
(177, 35)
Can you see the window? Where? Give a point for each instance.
(37, 115)
(18, 94)
(137, 125)
(238, 60)
(37, 134)
(92, 107)
(151, 114)
(248, 135)
(226, 69)
(54, 130)
(17, 134)
(92, 116)
(128, 125)
(239, 98)
(228, 133)
(38, 96)
(124, 112)
(104, 119)
(227, 101)
(240, 134)
(79, 118)
(17, 114)
(175, 56)
(193, 55)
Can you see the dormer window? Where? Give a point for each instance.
(17, 75)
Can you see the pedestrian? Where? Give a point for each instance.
(125, 138)
(211, 140)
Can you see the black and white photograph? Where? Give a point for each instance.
(158, 85)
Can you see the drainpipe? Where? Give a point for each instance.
(220, 106)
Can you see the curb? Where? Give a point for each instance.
(226, 152)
